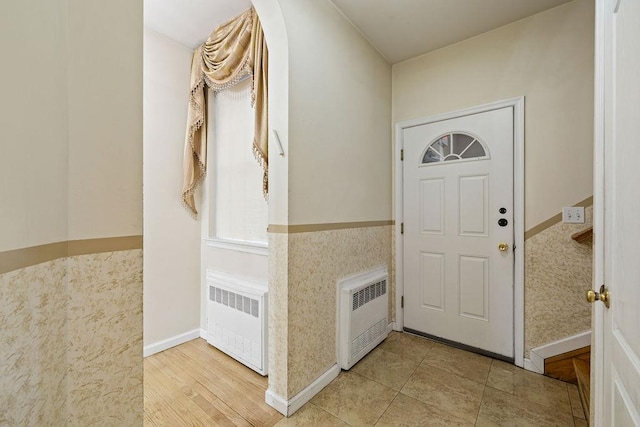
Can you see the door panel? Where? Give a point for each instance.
(432, 203)
(432, 279)
(474, 205)
(474, 287)
(620, 323)
(457, 174)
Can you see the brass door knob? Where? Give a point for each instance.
(503, 247)
(604, 295)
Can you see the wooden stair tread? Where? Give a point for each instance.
(584, 235)
(583, 374)
(573, 367)
(561, 366)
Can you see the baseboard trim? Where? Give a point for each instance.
(289, 407)
(276, 402)
(530, 366)
(171, 342)
(539, 354)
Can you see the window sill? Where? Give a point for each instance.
(256, 248)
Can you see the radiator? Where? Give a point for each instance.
(237, 318)
(363, 306)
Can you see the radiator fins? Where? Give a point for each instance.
(247, 305)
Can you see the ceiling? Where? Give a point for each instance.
(403, 29)
(399, 29)
(189, 22)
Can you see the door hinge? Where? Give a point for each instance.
(402, 155)
(402, 228)
(402, 301)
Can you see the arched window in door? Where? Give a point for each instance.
(455, 146)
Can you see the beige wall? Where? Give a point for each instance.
(33, 211)
(339, 119)
(303, 273)
(33, 124)
(105, 118)
(558, 273)
(336, 130)
(316, 262)
(171, 234)
(71, 170)
(33, 315)
(104, 339)
(548, 58)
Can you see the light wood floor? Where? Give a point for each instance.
(194, 384)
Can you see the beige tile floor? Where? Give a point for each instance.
(411, 381)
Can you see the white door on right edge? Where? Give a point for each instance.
(458, 230)
(620, 388)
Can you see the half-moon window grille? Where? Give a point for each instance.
(455, 146)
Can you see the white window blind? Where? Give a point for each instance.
(240, 210)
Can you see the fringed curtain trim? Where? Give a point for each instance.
(233, 50)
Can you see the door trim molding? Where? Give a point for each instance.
(517, 104)
(602, 49)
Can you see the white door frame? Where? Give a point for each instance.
(597, 314)
(518, 210)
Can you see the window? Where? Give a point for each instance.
(454, 147)
(239, 208)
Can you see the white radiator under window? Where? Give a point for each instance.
(363, 306)
(237, 318)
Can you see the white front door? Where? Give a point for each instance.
(458, 230)
(617, 349)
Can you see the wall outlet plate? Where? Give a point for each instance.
(573, 215)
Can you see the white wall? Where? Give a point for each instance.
(276, 36)
(171, 235)
(548, 58)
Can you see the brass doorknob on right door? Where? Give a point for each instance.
(603, 295)
(503, 247)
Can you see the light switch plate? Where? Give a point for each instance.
(573, 215)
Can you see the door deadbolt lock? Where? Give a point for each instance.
(503, 247)
(604, 295)
(502, 222)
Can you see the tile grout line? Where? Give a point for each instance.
(573, 418)
(325, 411)
(387, 408)
(483, 391)
(403, 385)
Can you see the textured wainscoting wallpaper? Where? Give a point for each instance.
(33, 341)
(557, 274)
(278, 309)
(71, 342)
(316, 261)
(105, 339)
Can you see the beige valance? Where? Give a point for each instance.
(233, 50)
